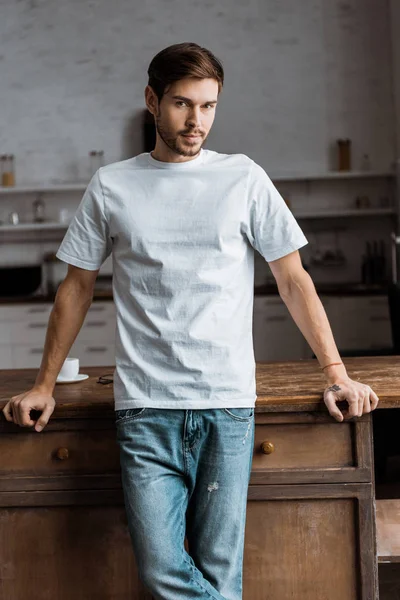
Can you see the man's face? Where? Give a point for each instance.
(187, 107)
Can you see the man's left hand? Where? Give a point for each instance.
(360, 398)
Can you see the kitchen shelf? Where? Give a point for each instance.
(33, 226)
(81, 187)
(355, 212)
(331, 175)
(41, 189)
(367, 212)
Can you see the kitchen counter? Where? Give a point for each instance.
(311, 517)
(38, 298)
(331, 289)
(281, 386)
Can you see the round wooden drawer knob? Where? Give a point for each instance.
(62, 453)
(267, 447)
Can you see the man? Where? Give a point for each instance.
(182, 224)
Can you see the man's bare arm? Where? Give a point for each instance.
(73, 299)
(72, 302)
(297, 290)
(309, 315)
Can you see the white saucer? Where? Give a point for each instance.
(79, 377)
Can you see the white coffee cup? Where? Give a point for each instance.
(70, 368)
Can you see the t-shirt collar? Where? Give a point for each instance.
(195, 162)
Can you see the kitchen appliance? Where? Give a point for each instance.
(373, 266)
(21, 280)
(49, 273)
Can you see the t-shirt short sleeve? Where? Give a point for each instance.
(272, 229)
(87, 242)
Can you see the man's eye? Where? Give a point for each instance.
(181, 102)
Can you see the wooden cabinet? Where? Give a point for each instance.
(23, 330)
(60, 492)
(359, 322)
(303, 542)
(275, 334)
(5, 353)
(310, 529)
(310, 517)
(75, 547)
(95, 343)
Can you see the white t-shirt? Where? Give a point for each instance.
(182, 238)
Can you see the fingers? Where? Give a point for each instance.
(370, 401)
(24, 414)
(361, 401)
(18, 409)
(360, 404)
(373, 399)
(330, 401)
(13, 410)
(366, 408)
(355, 405)
(44, 418)
(7, 411)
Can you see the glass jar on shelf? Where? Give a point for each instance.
(8, 170)
(344, 154)
(39, 210)
(3, 165)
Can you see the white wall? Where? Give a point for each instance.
(298, 76)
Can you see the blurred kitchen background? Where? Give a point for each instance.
(312, 93)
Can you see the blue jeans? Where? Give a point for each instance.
(186, 473)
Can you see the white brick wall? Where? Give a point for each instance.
(298, 76)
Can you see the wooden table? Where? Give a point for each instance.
(311, 530)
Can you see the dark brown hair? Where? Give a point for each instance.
(183, 60)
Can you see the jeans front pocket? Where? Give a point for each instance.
(240, 414)
(127, 414)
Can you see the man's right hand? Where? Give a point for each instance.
(18, 408)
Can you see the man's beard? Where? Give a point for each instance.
(173, 142)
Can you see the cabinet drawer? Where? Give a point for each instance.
(102, 310)
(52, 453)
(5, 332)
(94, 354)
(6, 361)
(270, 305)
(26, 312)
(305, 451)
(27, 356)
(97, 329)
(29, 332)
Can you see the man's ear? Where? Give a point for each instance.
(151, 99)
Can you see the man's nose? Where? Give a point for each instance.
(194, 118)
